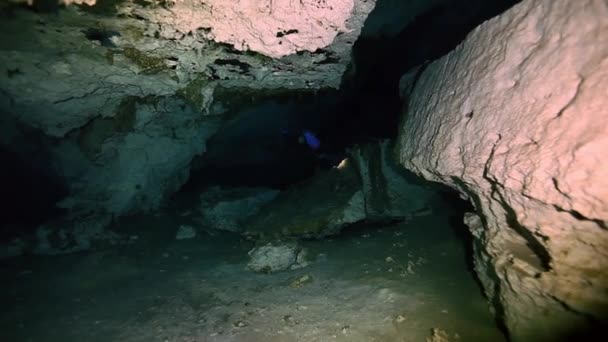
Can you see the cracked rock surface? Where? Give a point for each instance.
(122, 95)
(515, 119)
(65, 68)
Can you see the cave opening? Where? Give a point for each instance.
(367, 107)
(281, 214)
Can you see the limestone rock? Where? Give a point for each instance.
(515, 119)
(132, 168)
(228, 209)
(119, 95)
(300, 281)
(67, 68)
(73, 234)
(438, 335)
(388, 191)
(76, 232)
(70, 233)
(367, 186)
(320, 206)
(273, 258)
(274, 28)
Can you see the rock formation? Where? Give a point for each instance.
(122, 95)
(228, 208)
(515, 120)
(112, 100)
(366, 187)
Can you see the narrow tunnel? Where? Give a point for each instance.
(356, 170)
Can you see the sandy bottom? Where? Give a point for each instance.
(384, 284)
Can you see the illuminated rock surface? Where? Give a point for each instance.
(515, 119)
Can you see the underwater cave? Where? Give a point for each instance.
(347, 170)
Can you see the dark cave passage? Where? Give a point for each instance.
(265, 138)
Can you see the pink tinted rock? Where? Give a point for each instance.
(275, 28)
(515, 119)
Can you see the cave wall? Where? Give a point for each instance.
(113, 166)
(121, 95)
(132, 161)
(366, 188)
(515, 119)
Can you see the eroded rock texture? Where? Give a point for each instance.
(515, 119)
(120, 96)
(367, 187)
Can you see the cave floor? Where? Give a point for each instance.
(395, 283)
